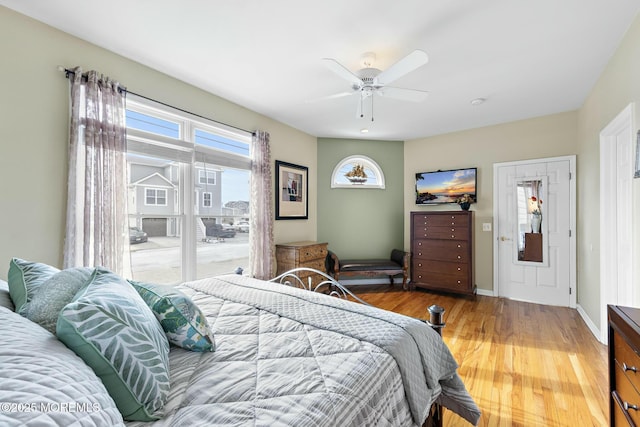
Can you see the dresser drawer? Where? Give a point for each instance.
(312, 252)
(317, 264)
(446, 233)
(441, 250)
(449, 281)
(458, 270)
(627, 360)
(628, 396)
(447, 220)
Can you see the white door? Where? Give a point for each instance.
(616, 215)
(548, 277)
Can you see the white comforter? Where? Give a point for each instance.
(285, 356)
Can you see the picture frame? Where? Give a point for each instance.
(292, 191)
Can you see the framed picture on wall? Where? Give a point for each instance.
(292, 191)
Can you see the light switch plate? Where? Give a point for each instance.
(486, 226)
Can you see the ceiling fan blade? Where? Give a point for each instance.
(335, 95)
(413, 95)
(415, 59)
(342, 71)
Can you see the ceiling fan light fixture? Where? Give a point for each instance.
(364, 130)
(478, 101)
(368, 59)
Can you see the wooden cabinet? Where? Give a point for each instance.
(442, 251)
(301, 254)
(624, 366)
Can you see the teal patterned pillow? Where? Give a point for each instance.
(54, 293)
(111, 328)
(24, 279)
(182, 320)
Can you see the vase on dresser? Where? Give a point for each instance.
(536, 220)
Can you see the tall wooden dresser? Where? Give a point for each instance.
(301, 254)
(624, 366)
(442, 251)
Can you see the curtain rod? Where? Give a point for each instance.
(68, 72)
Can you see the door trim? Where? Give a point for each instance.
(621, 126)
(572, 221)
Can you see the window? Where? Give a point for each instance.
(357, 172)
(206, 200)
(145, 122)
(155, 196)
(173, 157)
(206, 177)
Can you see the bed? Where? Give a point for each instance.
(281, 356)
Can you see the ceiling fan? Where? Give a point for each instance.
(370, 80)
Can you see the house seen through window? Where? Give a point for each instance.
(188, 193)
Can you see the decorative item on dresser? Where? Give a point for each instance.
(624, 363)
(442, 251)
(301, 254)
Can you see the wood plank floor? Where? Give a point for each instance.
(524, 364)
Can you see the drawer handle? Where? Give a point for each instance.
(459, 257)
(419, 253)
(459, 246)
(626, 367)
(458, 282)
(420, 244)
(453, 236)
(419, 265)
(459, 268)
(628, 406)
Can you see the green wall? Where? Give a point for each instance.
(361, 222)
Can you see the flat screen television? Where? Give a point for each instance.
(438, 187)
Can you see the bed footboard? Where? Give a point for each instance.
(302, 277)
(331, 287)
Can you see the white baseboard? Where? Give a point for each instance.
(485, 292)
(587, 320)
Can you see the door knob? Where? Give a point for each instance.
(503, 239)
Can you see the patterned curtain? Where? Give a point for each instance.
(96, 229)
(261, 236)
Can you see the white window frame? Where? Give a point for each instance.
(204, 199)
(188, 153)
(205, 176)
(155, 197)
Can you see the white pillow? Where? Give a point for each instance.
(38, 370)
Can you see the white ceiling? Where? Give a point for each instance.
(527, 58)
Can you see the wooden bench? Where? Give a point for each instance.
(398, 263)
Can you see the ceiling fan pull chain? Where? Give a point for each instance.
(361, 106)
(371, 107)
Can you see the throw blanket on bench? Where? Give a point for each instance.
(396, 264)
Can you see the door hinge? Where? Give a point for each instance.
(569, 176)
(569, 233)
(569, 291)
